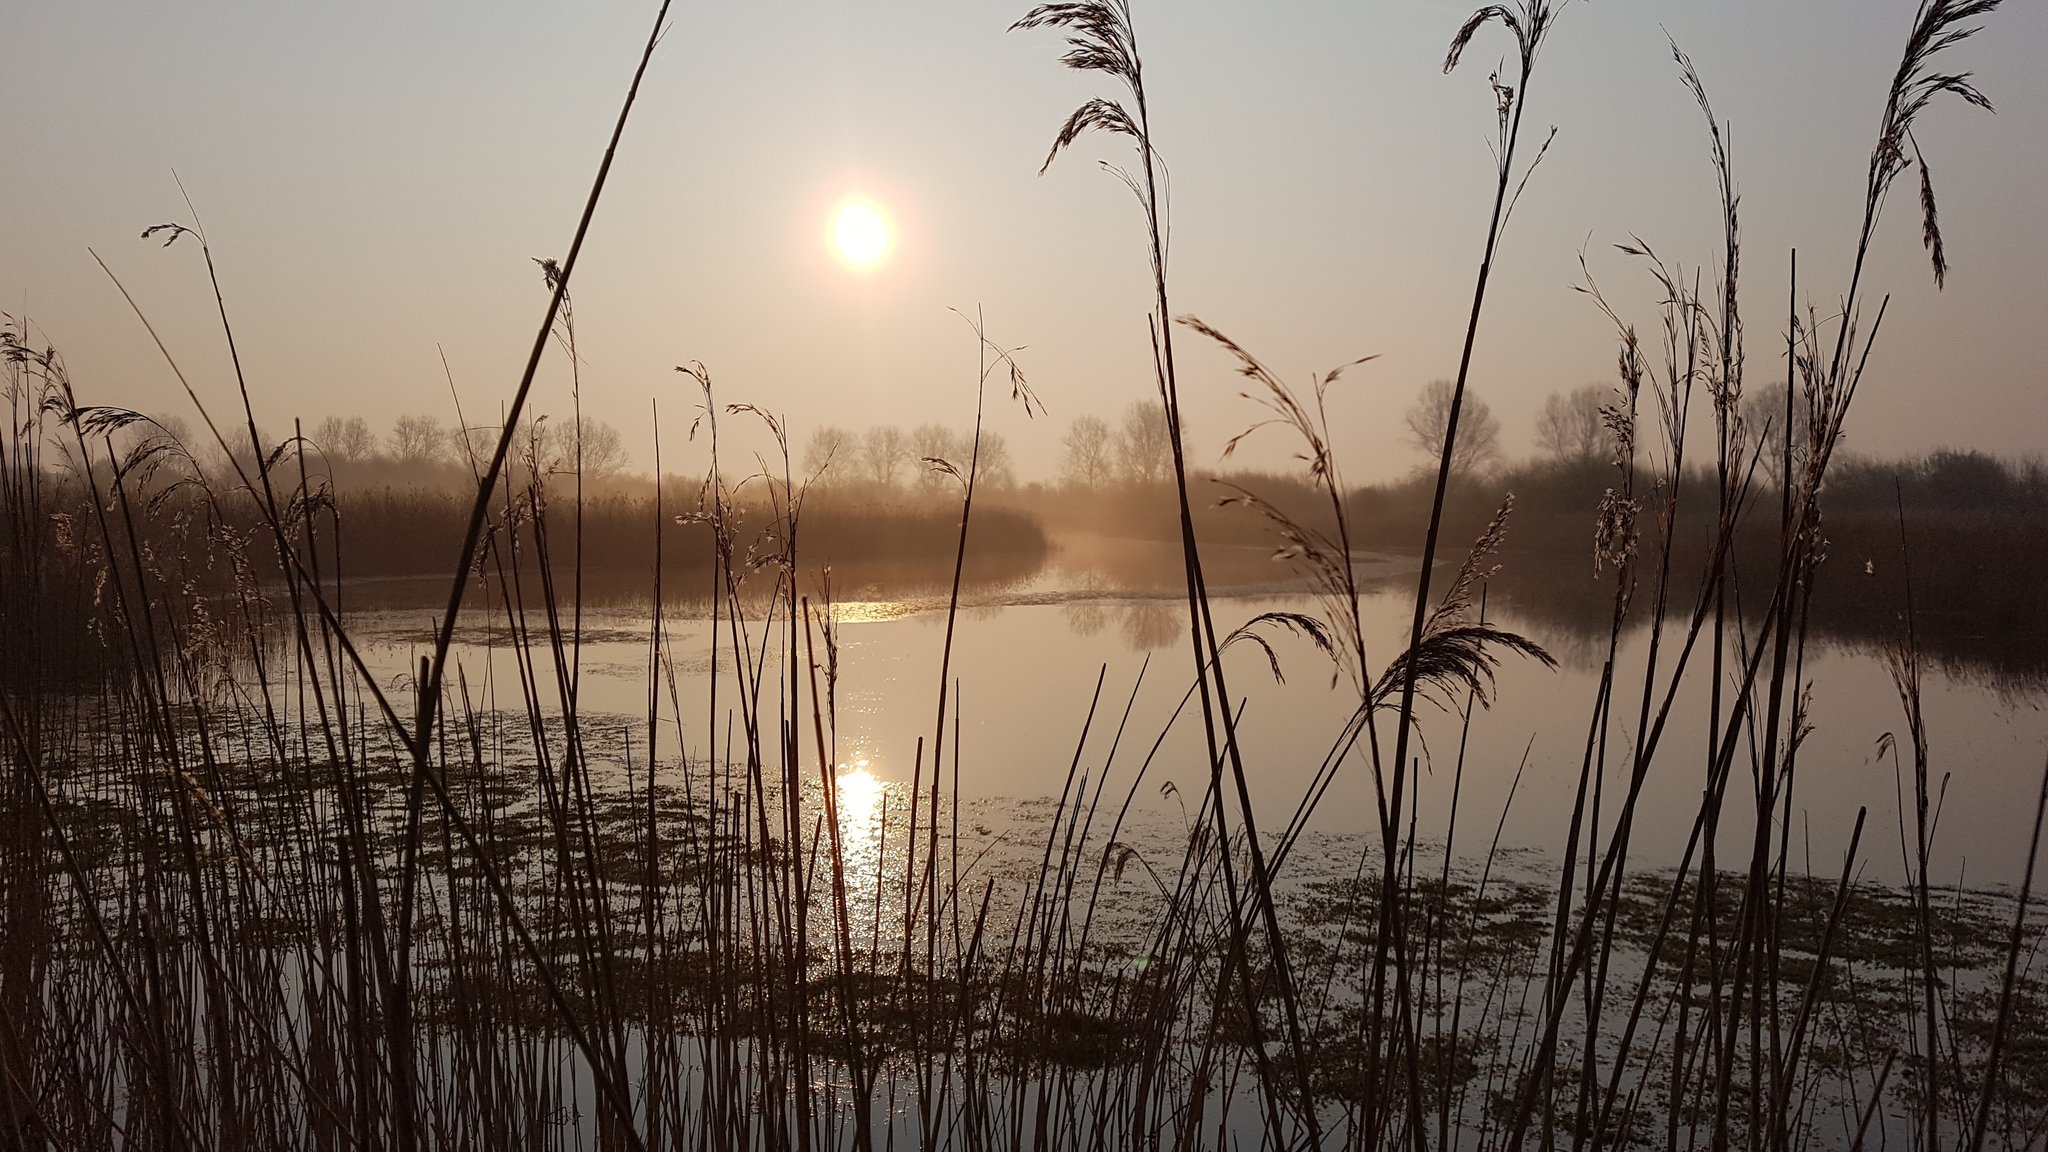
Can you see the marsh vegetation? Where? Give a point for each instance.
(269, 880)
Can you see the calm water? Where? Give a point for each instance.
(1027, 665)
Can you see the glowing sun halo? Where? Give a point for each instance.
(860, 235)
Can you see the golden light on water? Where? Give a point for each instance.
(859, 801)
(860, 234)
(873, 611)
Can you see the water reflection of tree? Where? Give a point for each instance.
(1147, 625)
(1084, 617)
(1144, 625)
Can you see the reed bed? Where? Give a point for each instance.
(256, 895)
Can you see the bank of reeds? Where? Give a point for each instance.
(256, 895)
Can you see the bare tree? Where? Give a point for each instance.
(532, 444)
(1085, 461)
(1478, 442)
(1763, 414)
(418, 439)
(935, 441)
(604, 451)
(828, 446)
(1570, 428)
(994, 467)
(473, 444)
(348, 439)
(883, 452)
(929, 440)
(178, 430)
(1144, 444)
(221, 465)
(591, 445)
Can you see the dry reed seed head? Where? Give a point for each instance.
(1802, 719)
(766, 417)
(1021, 393)
(550, 271)
(13, 351)
(1454, 653)
(1121, 855)
(703, 512)
(171, 232)
(1457, 599)
(1457, 659)
(1528, 21)
(1099, 35)
(1722, 164)
(63, 533)
(1930, 220)
(1473, 24)
(1099, 39)
(1940, 25)
(696, 370)
(1614, 532)
(1503, 98)
(1298, 623)
(1280, 400)
(1107, 115)
(940, 466)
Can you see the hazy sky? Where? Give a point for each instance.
(376, 176)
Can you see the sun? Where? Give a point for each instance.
(860, 234)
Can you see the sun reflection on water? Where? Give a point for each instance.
(873, 611)
(859, 795)
(861, 804)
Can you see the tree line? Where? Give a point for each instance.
(416, 450)
(592, 446)
(1571, 429)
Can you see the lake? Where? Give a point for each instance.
(1026, 659)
